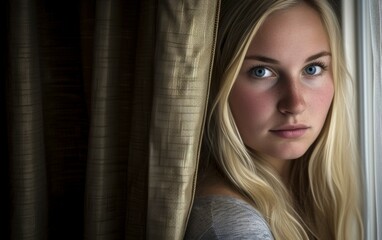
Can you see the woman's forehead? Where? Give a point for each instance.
(295, 31)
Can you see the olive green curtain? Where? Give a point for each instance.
(104, 103)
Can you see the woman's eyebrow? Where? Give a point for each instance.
(318, 55)
(274, 61)
(262, 59)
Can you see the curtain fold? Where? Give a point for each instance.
(106, 164)
(375, 15)
(369, 31)
(140, 122)
(184, 52)
(27, 172)
(105, 104)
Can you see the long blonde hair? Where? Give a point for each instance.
(323, 201)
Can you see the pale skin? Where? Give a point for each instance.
(283, 92)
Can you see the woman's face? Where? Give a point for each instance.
(284, 89)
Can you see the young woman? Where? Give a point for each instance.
(280, 142)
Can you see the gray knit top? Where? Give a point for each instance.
(224, 217)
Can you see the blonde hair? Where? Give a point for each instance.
(323, 201)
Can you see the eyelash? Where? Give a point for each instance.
(259, 66)
(320, 64)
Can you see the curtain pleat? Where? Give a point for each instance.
(375, 15)
(138, 159)
(65, 113)
(369, 67)
(25, 129)
(184, 53)
(106, 175)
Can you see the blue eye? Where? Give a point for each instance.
(260, 72)
(313, 69)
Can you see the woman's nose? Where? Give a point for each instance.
(292, 98)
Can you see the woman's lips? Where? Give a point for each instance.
(290, 131)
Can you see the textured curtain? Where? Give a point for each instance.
(376, 36)
(370, 65)
(105, 104)
(375, 9)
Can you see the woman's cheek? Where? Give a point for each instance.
(249, 107)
